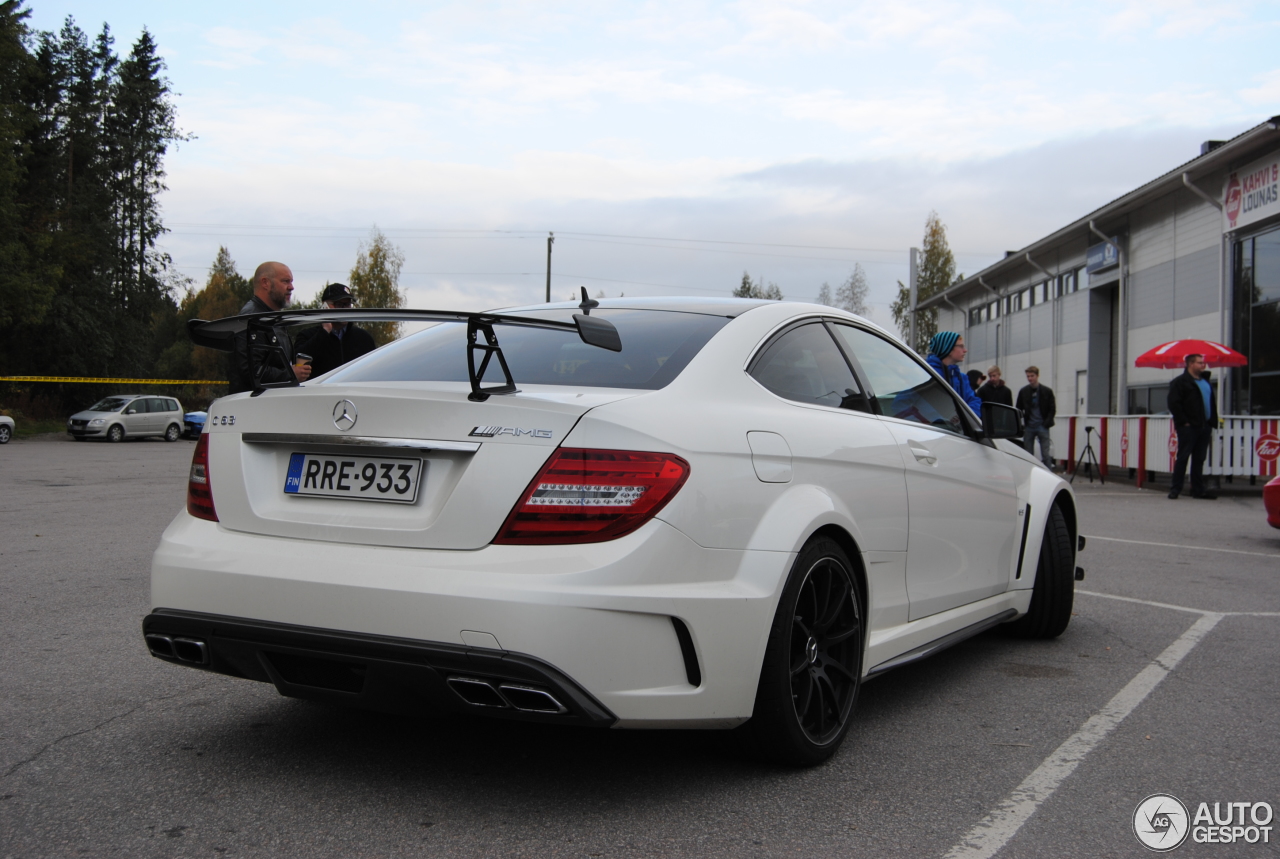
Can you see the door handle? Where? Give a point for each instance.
(922, 454)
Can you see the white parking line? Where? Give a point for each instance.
(1155, 604)
(995, 830)
(1176, 546)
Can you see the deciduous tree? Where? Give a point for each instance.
(852, 294)
(375, 282)
(937, 271)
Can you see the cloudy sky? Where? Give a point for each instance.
(671, 146)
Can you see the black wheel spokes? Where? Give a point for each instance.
(825, 650)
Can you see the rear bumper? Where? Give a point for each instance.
(601, 613)
(372, 671)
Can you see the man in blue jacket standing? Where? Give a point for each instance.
(946, 351)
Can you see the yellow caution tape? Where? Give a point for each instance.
(91, 380)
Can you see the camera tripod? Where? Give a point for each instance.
(1088, 459)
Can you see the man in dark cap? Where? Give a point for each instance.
(335, 343)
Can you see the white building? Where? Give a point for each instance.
(1192, 254)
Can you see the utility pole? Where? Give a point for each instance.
(551, 237)
(912, 296)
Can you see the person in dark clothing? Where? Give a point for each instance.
(272, 289)
(995, 390)
(975, 379)
(335, 343)
(1195, 414)
(1038, 407)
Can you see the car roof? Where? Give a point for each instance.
(714, 306)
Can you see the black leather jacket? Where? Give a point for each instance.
(271, 367)
(1186, 403)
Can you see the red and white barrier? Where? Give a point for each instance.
(1242, 446)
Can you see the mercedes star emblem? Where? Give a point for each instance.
(344, 415)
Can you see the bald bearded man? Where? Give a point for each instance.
(272, 290)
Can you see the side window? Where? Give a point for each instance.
(805, 365)
(155, 404)
(139, 405)
(901, 387)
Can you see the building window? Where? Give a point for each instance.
(1068, 283)
(1256, 324)
(975, 315)
(993, 310)
(1149, 400)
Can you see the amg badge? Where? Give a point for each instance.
(490, 432)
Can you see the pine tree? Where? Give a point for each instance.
(937, 271)
(140, 126)
(747, 289)
(375, 282)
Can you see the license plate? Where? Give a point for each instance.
(363, 478)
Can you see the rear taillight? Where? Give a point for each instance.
(199, 490)
(589, 496)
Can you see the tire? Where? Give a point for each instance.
(5, 434)
(173, 433)
(812, 667)
(115, 433)
(1054, 592)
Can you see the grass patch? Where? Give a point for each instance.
(25, 428)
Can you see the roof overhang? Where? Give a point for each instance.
(1240, 146)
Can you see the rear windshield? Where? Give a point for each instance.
(110, 404)
(656, 346)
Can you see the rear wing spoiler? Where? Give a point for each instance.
(220, 334)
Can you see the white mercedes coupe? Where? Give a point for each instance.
(637, 513)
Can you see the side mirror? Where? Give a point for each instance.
(1001, 421)
(131, 412)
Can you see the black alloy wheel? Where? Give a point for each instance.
(813, 663)
(173, 433)
(116, 433)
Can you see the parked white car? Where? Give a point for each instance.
(6, 429)
(732, 522)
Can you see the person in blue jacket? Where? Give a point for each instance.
(946, 351)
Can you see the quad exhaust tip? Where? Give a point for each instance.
(503, 696)
(189, 650)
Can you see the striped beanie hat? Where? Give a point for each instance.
(942, 343)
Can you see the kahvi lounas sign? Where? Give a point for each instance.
(1251, 193)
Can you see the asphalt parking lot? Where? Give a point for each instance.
(1165, 682)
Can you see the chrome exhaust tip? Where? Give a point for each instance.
(478, 693)
(160, 645)
(191, 650)
(530, 700)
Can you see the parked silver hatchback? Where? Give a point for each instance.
(122, 416)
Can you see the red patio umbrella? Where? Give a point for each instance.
(1173, 355)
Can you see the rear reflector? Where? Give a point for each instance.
(199, 490)
(589, 496)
